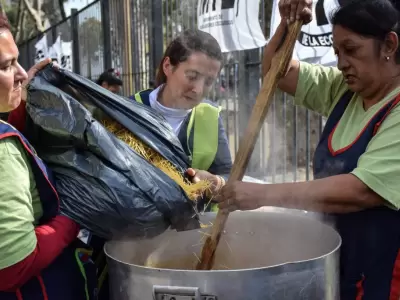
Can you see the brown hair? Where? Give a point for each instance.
(186, 44)
(4, 24)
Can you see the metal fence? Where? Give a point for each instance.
(130, 35)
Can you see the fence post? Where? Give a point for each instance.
(75, 41)
(54, 35)
(249, 86)
(157, 38)
(106, 28)
(257, 162)
(28, 57)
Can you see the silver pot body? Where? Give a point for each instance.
(276, 254)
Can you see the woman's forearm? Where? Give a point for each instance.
(337, 194)
(52, 239)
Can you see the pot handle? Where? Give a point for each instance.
(179, 292)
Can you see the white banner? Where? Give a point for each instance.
(66, 57)
(54, 51)
(314, 44)
(41, 49)
(60, 51)
(234, 23)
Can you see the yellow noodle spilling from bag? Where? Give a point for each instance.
(192, 190)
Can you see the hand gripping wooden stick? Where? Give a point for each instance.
(278, 66)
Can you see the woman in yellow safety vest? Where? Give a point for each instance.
(185, 76)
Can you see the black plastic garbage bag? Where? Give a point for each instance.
(103, 184)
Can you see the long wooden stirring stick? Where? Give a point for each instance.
(278, 66)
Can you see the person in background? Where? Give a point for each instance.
(357, 161)
(110, 80)
(40, 256)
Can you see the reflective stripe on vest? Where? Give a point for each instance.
(138, 98)
(204, 118)
(205, 138)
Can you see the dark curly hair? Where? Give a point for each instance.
(370, 18)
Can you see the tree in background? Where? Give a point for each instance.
(91, 35)
(31, 17)
(90, 42)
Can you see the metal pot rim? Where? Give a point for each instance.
(278, 267)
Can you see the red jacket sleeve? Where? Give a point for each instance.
(17, 117)
(52, 239)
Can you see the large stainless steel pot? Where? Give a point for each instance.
(276, 254)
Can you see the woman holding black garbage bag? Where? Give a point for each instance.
(186, 74)
(40, 257)
(357, 162)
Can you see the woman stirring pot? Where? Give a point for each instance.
(357, 161)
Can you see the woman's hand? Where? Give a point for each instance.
(292, 10)
(31, 73)
(241, 196)
(198, 175)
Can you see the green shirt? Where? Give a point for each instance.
(319, 89)
(20, 206)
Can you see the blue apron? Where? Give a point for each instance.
(72, 276)
(370, 256)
